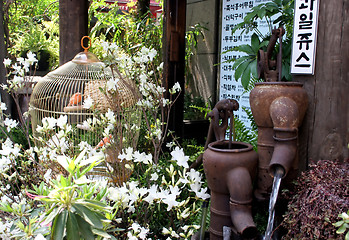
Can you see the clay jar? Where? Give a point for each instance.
(230, 173)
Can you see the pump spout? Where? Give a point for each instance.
(285, 117)
(239, 183)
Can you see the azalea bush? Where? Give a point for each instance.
(159, 198)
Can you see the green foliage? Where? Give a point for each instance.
(343, 225)
(246, 66)
(126, 30)
(17, 135)
(73, 203)
(243, 134)
(195, 107)
(33, 26)
(192, 37)
(274, 12)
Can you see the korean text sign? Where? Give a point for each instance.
(304, 36)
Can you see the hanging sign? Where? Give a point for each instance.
(304, 36)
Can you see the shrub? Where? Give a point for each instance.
(321, 194)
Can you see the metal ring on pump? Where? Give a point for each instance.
(89, 43)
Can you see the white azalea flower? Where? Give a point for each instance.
(31, 58)
(179, 157)
(126, 154)
(88, 102)
(3, 106)
(10, 123)
(7, 62)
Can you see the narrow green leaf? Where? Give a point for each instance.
(246, 48)
(246, 77)
(341, 229)
(239, 61)
(88, 215)
(93, 202)
(347, 236)
(240, 70)
(58, 226)
(338, 224)
(84, 228)
(255, 43)
(101, 233)
(52, 215)
(72, 233)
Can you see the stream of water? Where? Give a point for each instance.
(273, 197)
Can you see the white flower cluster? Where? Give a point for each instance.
(8, 153)
(19, 70)
(137, 232)
(129, 194)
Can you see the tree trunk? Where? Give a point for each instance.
(5, 97)
(73, 25)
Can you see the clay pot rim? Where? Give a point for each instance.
(246, 146)
(279, 83)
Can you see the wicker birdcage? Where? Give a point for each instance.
(64, 90)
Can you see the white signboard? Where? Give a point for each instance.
(233, 12)
(304, 36)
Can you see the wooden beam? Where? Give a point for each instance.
(73, 25)
(174, 57)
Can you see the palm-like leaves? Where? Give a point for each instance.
(246, 66)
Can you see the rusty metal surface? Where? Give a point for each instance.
(269, 69)
(229, 174)
(278, 109)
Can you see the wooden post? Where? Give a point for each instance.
(174, 57)
(325, 131)
(73, 25)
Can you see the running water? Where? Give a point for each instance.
(273, 197)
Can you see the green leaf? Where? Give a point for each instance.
(52, 215)
(255, 43)
(88, 215)
(246, 76)
(72, 234)
(239, 61)
(338, 224)
(94, 204)
(58, 226)
(341, 229)
(84, 228)
(254, 68)
(347, 236)
(101, 233)
(246, 49)
(240, 70)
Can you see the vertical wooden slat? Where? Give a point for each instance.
(174, 57)
(325, 131)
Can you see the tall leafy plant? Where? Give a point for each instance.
(278, 12)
